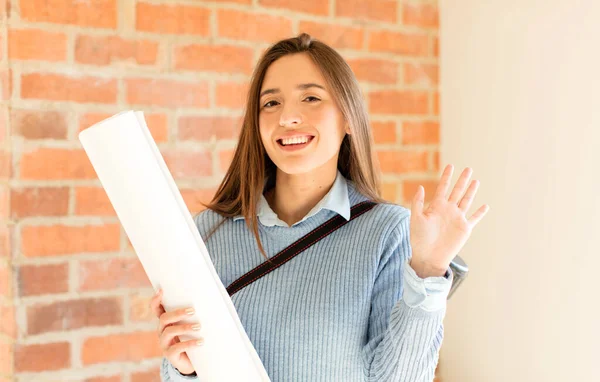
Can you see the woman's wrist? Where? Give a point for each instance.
(425, 270)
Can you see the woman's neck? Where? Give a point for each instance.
(295, 195)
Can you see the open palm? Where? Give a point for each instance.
(438, 232)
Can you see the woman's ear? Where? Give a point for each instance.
(347, 128)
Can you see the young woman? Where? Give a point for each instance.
(365, 303)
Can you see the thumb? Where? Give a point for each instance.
(418, 200)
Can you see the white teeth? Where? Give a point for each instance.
(294, 140)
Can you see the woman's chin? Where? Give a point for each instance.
(296, 166)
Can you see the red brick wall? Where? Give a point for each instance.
(73, 297)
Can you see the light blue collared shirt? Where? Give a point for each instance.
(335, 200)
(429, 294)
(342, 310)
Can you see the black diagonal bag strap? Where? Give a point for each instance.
(298, 246)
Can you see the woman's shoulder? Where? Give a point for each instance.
(205, 220)
(384, 213)
(389, 217)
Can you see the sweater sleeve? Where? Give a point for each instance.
(406, 321)
(168, 373)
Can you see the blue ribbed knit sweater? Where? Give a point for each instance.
(349, 308)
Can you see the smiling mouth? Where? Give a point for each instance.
(295, 142)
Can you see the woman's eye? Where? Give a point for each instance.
(313, 98)
(270, 103)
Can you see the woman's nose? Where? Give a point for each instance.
(290, 117)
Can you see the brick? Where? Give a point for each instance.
(409, 189)
(374, 70)
(36, 44)
(315, 7)
(105, 50)
(57, 87)
(8, 325)
(231, 95)
(146, 376)
(6, 359)
(251, 26)
(5, 165)
(422, 132)
(97, 13)
(170, 93)
(399, 43)
(420, 15)
(67, 240)
(4, 202)
(384, 132)
(389, 192)
(378, 10)
(247, 2)
(132, 347)
(61, 316)
(3, 124)
(205, 128)
(157, 124)
(36, 280)
(337, 36)
(56, 164)
(436, 161)
(39, 124)
(5, 241)
(436, 46)
(172, 19)
(5, 84)
(225, 158)
(88, 119)
(435, 108)
(92, 201)
(39, 201)
(6, 280)
(189, 164)
(402, 162)
(221, 58)
(194, 198)
(421, 74)
(124, 273)
(42, 357)
(114, 378)
(398, 102)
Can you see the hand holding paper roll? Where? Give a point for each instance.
(148, 203)
(169, 330)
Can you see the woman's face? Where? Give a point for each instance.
(301, 126)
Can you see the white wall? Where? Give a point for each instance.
(520, 104)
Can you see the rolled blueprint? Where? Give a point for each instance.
(168, 244)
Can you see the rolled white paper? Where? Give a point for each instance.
(168, 244)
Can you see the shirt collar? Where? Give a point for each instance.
(335, 200)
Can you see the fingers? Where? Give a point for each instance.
(155, 304)
(169, 331)
(417, 202)
(175, 351)
(175, 316)
(466, 201)
(442, 188)
(165, 319)
(460, 186)
(169, 334)
(478, 215)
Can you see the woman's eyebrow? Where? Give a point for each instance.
(300, 87)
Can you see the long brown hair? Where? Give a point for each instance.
(251, 167)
